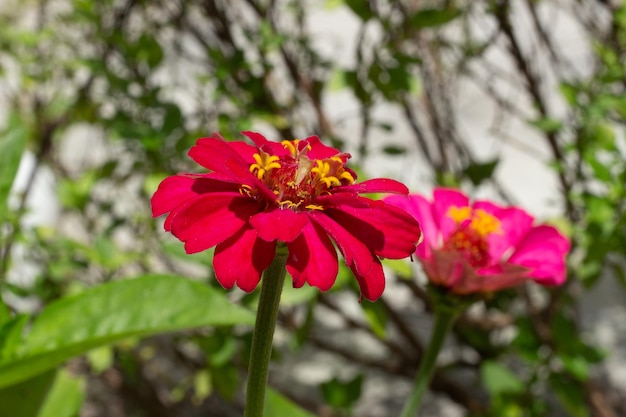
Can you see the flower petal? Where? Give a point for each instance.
(543, 250)
(210, 219)
(514, 224)
(312, 258)
(177, 189)
(261, 142)
(284, 225)
(386, 230)
(375, 185)
(443, 200)
(371, 282)
(421, 209)
(216, 154)
(242, 258)
(320, 151)
(364, 264)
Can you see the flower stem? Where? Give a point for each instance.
(261, 350)
(444, 318)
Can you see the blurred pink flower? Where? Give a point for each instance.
(482, 247)
(298, 192)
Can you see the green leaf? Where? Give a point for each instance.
(571, 395)
(65, 398)
(277, 405)
(376, 316)
(26, 398)
(547, 125)
(360, 8)
(394, 150)
(11, 336)
(12, 142)
(341, 394)
(497, 379)
(479, 172)
(425, 18)
(114, 311)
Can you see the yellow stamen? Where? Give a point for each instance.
(459, 214)
(346, 176)
(264, 163)
(291, 146)
(484, 223)
(481, 222)
(245, 189)
(314, 207)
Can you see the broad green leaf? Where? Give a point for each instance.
(277, 405)
(26, 398)
(114, 311)
(11, 336)
(12, 142)
(65, 398)
(498, 379)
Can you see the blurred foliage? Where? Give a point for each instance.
(104, 99)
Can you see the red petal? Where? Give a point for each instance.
(284, 225)
(386, 230)
(358, 257)
(375, 185)
(177, 189)
(371, 282)
(210, 219)
(261, 142)
(217, 155)
(242, 258)
(320, 151)
(312, 258)
(421, 209)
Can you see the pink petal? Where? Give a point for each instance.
(320, 151)
(312, 258)
(376, 185)
(364, 264)
(421, 209)
(514, 224)
(242, 258)
(386, 230)
(210, 219)
(443, 200)
(493, 279)
(284, 225)
(543, 250)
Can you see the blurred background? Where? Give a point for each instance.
(521, 101)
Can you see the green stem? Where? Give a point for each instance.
(444, 318)
(261, 351)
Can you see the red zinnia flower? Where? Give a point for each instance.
(482, 247)
(298, 192)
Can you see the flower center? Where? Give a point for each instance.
(470, 238)
(295, 178)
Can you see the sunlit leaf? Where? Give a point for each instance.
(111, 312)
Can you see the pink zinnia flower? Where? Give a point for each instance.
(298, 192)
(482, 247)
